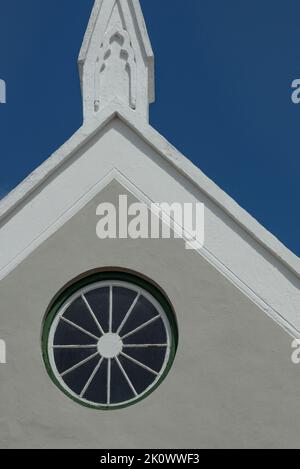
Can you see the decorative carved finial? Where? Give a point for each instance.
(116, 59)
(115, 72)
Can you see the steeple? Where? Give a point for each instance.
(116, 61)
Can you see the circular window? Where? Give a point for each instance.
(109, 340)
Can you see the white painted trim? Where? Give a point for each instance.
(17, 197)
(78, 205)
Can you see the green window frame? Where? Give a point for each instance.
(101, 280)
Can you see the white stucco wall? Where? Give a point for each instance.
(232, 383)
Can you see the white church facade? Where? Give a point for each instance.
(138, 341)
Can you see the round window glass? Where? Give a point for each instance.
(110, 340)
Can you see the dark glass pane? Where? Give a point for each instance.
(68, 335)
(99, 302)
(151, 356)
(66, 358)
(80, 315)
(120, 390)
(122, 301)
(143, 312)
(77, 379)
(154, 333)
(97, 391)
(140, 378)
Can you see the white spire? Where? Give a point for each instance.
(116, 59)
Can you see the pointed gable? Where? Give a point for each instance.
(116, 139)
(116, 58)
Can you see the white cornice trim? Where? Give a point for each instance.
(13, 201)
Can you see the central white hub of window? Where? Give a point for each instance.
(110, 345)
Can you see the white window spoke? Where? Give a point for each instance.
(84, 331)
(141, 327)
(74, 347)
(92, 314)
(127, 378)
(78, 365)
(136, 362)
(128, 314)
(145, 345)
(108, 381)
(110, 308)
(90, 380)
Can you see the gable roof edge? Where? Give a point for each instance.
(195, 176)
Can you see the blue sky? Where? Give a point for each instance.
(223, 83)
